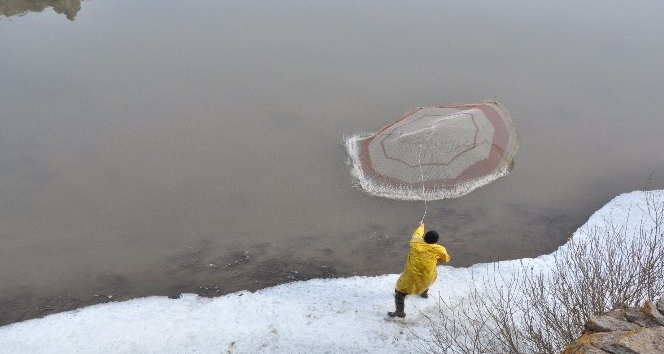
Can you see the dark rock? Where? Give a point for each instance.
(607, 323)
(592, 344)
(660, 305)
(623, 331)
(643, 341)
(583, 345)
(637, 316)
(651, 312)
(612, 343)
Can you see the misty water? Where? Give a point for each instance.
(160, 147)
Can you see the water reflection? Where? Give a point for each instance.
(68, 8)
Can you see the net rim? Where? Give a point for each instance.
(384, 186)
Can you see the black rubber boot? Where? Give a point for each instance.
(425, 294)
(399, 298)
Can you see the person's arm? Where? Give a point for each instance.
(419, 232)
(444, 257)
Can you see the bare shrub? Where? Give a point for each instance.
(526, 310)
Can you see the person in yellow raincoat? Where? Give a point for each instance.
(420, 270)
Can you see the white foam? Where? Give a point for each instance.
(353, 147)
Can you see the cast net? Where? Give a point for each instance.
(436, 152)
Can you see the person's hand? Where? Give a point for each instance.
(421, 222)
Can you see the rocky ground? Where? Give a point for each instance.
(632, 330)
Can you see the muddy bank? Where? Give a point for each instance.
(238, 273)
(203, 271)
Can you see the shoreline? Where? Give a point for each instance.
(305, 316)
(252, 277)
(205, 273)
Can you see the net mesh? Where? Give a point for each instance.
(436, 152)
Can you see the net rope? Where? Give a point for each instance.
(419, 161)
(435, 152)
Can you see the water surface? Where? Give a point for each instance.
(158, 147)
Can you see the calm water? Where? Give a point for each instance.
(159, 147)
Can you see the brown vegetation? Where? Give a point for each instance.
(535, 312)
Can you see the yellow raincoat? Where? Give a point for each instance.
(420, 270)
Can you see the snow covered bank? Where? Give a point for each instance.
(321, 316)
